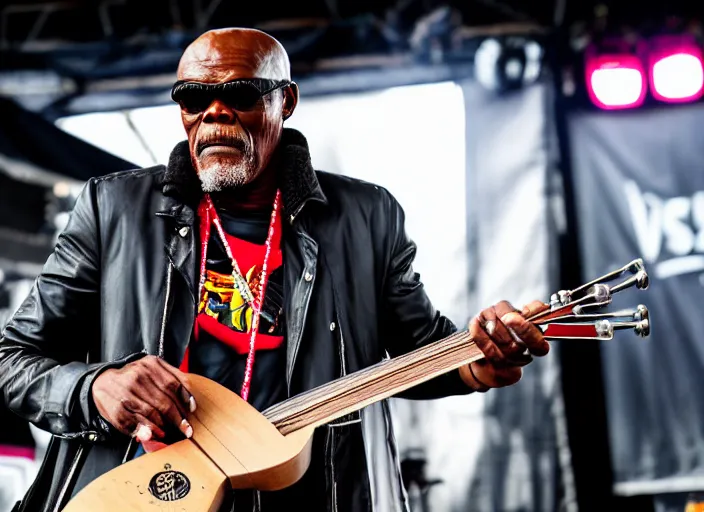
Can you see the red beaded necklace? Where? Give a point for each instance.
(209, 216)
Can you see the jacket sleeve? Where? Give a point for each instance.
(410, 319)
(44, 374)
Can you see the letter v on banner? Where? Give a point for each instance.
(676, 221)
(646, 216)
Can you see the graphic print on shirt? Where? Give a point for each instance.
(221, 301)
(226, 315)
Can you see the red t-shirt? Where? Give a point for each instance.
(222, 330)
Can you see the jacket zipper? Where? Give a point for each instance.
(343, 368)
(332, 468)
(162, 334)
(342, 346)
(330, 449)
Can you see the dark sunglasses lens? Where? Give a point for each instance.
(242, 96)
(193, 100)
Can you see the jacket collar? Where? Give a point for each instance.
(296, 175)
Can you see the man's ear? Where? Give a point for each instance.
(290, 100)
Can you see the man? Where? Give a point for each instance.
(161, 271)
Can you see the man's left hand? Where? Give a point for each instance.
(508, 342)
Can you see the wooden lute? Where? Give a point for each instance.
(234, 446)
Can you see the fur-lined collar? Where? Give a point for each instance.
(296, 175)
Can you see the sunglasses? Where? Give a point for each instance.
(242, 94)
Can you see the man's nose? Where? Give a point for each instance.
(219, 112)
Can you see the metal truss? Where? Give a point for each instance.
(42, 11)
(197, 15)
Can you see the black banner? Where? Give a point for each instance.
(639, 186)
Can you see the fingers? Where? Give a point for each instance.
(506, 337)
(182, 379)
(511, 349)
(158, 403)
(528, 332)
(164, 393)
(146, 390)
(136, 406)
(533, 308)
(134, 424)
(497, 376)
(145, 430)
(483, 341)
(508, 341)
(501, 308)
(152, 446)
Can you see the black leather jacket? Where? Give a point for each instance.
(121, 283)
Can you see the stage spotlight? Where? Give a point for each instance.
(676, 69)
(508, 63)
(615, 80)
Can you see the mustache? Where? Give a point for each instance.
(221, 139)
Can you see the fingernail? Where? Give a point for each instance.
(186, 428)
(490, 327)
(192, 403)
(511, 318)
(144, 433)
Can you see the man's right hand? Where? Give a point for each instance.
(143, 397)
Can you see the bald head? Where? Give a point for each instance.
(224, 54)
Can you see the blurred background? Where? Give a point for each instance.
(534, 146)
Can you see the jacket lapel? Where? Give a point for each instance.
(180, 241)
(300, 253)
(177, 308)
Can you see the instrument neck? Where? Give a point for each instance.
(365, 387)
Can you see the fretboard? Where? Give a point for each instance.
(382, 380)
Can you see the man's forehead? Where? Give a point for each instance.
(225, 57)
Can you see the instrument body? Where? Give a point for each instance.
(233, 446)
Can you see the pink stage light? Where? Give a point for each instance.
(616, 81)
(676, 69)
